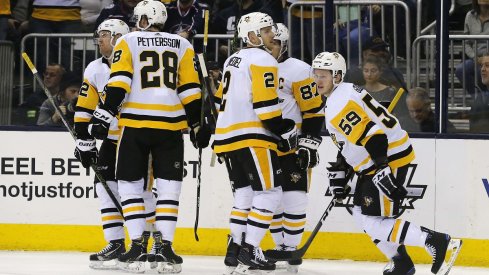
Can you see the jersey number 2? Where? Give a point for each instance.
(170, 64)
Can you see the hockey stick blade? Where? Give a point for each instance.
(279, 255)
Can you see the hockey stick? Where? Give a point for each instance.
(68, 126)
(202, 117)
(279, 255)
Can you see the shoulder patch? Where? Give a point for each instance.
(357, 88)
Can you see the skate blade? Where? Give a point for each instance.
(229, 270)
(104, 265)
(167, 268)
(132, 267)
(292, 268)
(242, 269)
(153, 265)
(281, 266)
(455, 245)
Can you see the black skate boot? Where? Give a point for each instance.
(134, 259)
(107, 257)
(400, 264)
(292, 265)
(168, 262)
(437, 245)
(251, 261)
(157, 242)
(231, 259)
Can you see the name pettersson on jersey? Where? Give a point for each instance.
(158, 42)
(415, 192)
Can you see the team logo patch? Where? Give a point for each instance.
(367, 201)
(295, 177)
(415, 192)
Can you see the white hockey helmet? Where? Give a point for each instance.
(154, 10)
(253, 22)
(114, 26)
(332, 61)
(282, 35)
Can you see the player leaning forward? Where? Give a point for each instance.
(249, 131)
(154, 72)
(371, 141)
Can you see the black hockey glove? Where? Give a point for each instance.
(385, 181)
(100, 123)
(288, 137)
(307, 153)
(200, 136)
(338, 180)
(86, 152)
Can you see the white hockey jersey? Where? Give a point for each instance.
(157, 71)
(247, 96)
(353, 117)
(95, 78)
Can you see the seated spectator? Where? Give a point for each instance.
(122, 10)
(419, 106)
(479, 111)
(376, 47)
(476, 22)
(28, 111)
(372, 69)
(185, 18)
(65, 99)
(90, 11)
(215, 75)
(55, 16)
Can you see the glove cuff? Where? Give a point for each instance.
(310, 142)
(103, 115)
(85, 144)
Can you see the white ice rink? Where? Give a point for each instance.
(73, 263)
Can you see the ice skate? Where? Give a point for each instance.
(292, 266)
(438, 244)
(400, 264)
(107, 257)
(252, 261)
(134, 260)
(231, 258)
(167, 261)
(157, 242)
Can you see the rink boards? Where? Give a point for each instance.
(47, 200)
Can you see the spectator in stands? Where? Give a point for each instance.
(372, 70)
(90, 11)
(224, 22)
(376, 47)
(303, 22)
(462, 7)
(4, 16)
(419, 106)
(479, 111)
(28, 111)
(55, 16)
(65, 99)
(476, 22)
(122, 10)
(19, 20)
(215, 75)
(185, 18)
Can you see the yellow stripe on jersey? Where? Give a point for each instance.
(270, 115)
(120, 84)
(153, 124)
(153, 107)
(310, 115)
(306, 95)
(81, 119)
(243, 144)
(263, 83)
(352, 122)
(121, 62)
(88, 98)
(186, 69)
(238, 126)
(191, 98)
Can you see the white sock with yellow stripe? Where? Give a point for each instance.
(295, 204)
(167, 207)
(264, 205)
(112, 220)
(243, 198)
(133, 206)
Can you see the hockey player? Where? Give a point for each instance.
(300, 102)
(250, 128)
(154, 74)
(372, 142)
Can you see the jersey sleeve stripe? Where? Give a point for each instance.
(369, 126)
(188, 86)
(120, 84)
(265, 103)
(307, 115)
(190, 98)
(121, 73)
(270, 115)
(78, 119)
